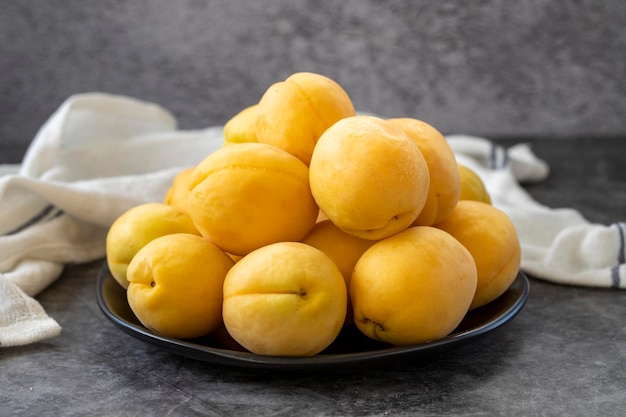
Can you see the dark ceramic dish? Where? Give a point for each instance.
(351, 347)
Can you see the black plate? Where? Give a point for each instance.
(350, 347)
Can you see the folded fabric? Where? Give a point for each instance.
(99, 154)
(558, 245)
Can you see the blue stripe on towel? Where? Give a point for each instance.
(499, 157)
(45, 212)
(615, 278)
(493, 156)
(621, 256)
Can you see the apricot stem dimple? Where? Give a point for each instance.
(152, 284)
(377, 327)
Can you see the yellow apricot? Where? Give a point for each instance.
(344, 249)
(368, 177)
(176, 285)
(284, 299)
(491, 238)
(445, 183)
(472, 187)
(292, 114)
(413, 287)
(241, 128)
(250, 195)
(136, 227)
(179, 190)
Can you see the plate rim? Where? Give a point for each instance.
(248, 359)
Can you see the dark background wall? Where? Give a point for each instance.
(494, 68)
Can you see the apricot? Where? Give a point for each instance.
(247, 196)
(176, 285)
(178, 192)
(413, 287)
(284, 299)
(292, 114)
(136, 227)
(368, 177)
(445, 182)
(344, 250)
(241, 128)
(491, 238)
(472, 186)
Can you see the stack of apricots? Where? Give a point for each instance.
(310, 218)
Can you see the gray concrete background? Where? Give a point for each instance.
(494, 68)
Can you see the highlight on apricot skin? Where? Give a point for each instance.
(368, 177)
(293, 114)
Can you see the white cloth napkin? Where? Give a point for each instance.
(99, 154)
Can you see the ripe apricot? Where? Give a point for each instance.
(413, 287)
(286, 299)
(472, 186)
(138, 226)
(368, 177)
(176, 285)
(247, 196)
(292, 114)
(445, 182)
(491, 238)
(179, 190)
(241, 128)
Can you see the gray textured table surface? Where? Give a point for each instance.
(563, 355)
